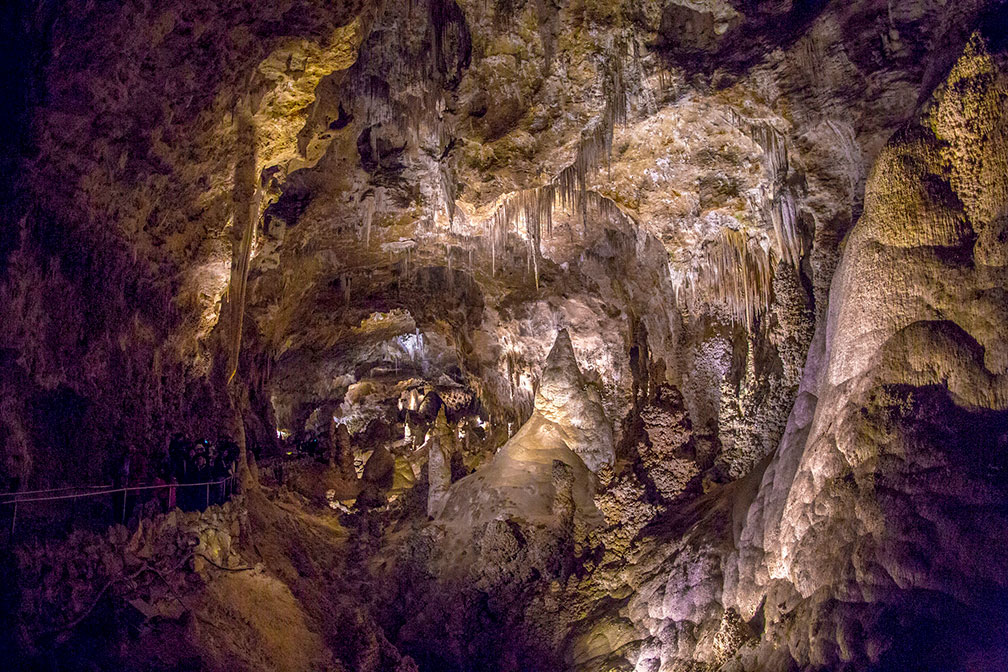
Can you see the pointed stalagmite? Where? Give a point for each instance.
(439, 449)
(567, 400)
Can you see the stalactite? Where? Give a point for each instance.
(246, 199)
(373, 94)
(451, 274)
(733, 271)
(784, 216)
(771, 141)
(370, 207)
(569, 189)
(450, 192)
(444, 15)
(780, 211)
(535, 263)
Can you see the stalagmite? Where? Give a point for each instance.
(439, 449)
(564, 397)
(343, 451)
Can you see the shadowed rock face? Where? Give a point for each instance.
(702, 302)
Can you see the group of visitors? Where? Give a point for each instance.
(191, 462)
(191, 476)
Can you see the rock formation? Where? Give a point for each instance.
(651, 334)
(564, 399)
(438, 466)
(568, 426)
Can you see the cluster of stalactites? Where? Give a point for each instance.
(415, 109)
(595, 146)
(781, 209)
(787, 236)
(736, 272)
(417, 71)
(608, 210)
(774, 145)
(444, 16)
(533, 208)
(372, 95)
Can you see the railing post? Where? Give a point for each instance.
(207, 495)
(13, 521)
(125, 491)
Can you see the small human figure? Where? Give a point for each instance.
(218, 473)
(172, 487)
(189, 467)
(202, 476)
(161, 492)
(229, 456)
(120, 481)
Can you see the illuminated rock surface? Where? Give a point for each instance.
(658, 335)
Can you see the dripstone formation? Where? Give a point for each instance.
(450, 335)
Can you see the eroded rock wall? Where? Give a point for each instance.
(116, 255)
(877, 512)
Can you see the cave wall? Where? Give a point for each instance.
(115, 254)
(866, 539)
(873, 522)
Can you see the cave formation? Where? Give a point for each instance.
(478, 335)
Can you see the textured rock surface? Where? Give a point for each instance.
(723, 281)
(438, 467)
(888, 476)
(565, 399)
(668, 455)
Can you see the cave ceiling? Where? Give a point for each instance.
(437, 134)
(444, 185)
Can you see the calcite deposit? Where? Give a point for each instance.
(444, 335)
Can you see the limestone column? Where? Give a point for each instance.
(439, 465)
